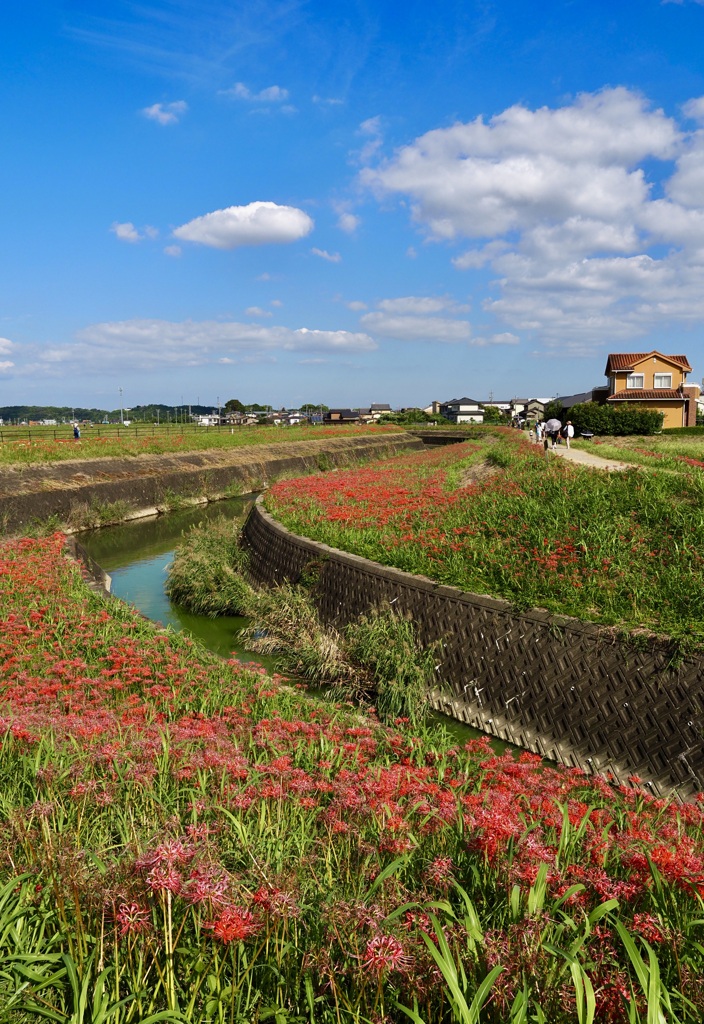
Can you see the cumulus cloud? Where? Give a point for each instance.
(348, 222)
(331, 257)
(255, 224)
(505, 338)
(257, 311)
(590, 215)
(151, 345)
(166, 113)
(416, 328)
(421, 304)
(173, 250)
(272, 94)
(126, 232)
(6, 347)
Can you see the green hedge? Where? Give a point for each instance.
(689, 431)
(605, 419)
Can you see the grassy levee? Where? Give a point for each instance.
(495, 516)
(78, 493)
(184, 839)
(117, 442)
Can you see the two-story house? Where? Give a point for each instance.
(462, 410)
(655, 382)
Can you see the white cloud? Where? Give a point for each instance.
(151, 345)
(126, 232)
(348, 222)
(484, 179)
(165, 113)
(331, 257)
(173, 250)
(327, 101)
(256, 224)
(257, 311)
(272, 94)
(416, 328)
(587, 247)
(473, 259)
(357, 306)
(694, 109)
(421, 304)
(506, 338)
(6, 348)
(371, 129)
(276, 303)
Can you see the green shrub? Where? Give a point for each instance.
(206, 576)
(386, 644)
(615, 422)
(376, 659)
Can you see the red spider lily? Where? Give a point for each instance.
(235, 924)
(133, 919)
(385, 953)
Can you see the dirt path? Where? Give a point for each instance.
(582, 458)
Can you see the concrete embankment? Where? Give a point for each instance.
(149, 483)
(572, 691)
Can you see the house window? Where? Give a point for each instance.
(662, 380)
(634, 380)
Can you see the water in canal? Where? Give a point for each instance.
(137, 555)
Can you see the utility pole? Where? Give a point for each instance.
(122, 419)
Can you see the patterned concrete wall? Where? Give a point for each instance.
(564, 689)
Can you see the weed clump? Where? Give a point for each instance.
(375, 660)
(207, 574)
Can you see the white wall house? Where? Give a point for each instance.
(462, 410)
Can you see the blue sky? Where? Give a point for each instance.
(290, 202)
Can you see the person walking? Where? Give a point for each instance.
(538, 431)
(553, 427)
(569, 432)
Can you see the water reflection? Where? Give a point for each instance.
(137, 556)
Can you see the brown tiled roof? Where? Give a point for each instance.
(649, 394)
(626, 360)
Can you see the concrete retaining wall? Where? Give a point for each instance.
(37, 492)
(567, 690)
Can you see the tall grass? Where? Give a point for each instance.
(376, 660)
(184, 839)
(207, 575)
(617, 548)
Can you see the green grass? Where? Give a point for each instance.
(663, 451)
(184, 839)
(206, 575)
(104, 442)
(495, 517)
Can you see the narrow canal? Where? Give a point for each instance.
(137, 556)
